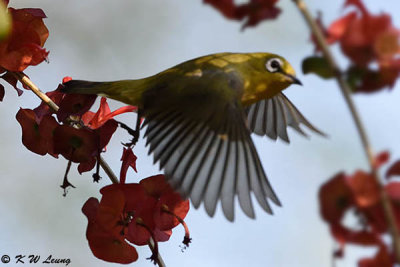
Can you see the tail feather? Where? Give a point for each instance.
(127, 91)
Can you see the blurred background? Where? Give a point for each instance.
(110, 40)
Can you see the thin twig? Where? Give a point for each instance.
(104, 165)
(346, 91)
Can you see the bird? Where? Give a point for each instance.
(199, 116)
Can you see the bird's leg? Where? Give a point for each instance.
(135, 133)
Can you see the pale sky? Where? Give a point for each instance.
(110, 40)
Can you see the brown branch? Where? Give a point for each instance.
(104, 165)
(346, 91)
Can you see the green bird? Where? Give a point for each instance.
(199, 117)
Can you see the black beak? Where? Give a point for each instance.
(294, 79)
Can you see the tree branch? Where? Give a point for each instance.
(346, 92)
(104, 165)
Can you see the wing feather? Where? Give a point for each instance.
(272, 116)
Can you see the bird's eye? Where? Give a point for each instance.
(274, 65)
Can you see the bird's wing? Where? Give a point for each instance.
(272, 116)
(209, 158)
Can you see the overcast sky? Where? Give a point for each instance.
(110, 40)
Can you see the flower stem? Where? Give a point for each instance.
(346, 91)
(104, 165)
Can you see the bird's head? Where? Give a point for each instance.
(270, 74)
(280, 70)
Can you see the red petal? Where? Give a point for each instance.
(31, 137)
(74, 104)
(104, 114)
(66, 79)
(2, 92)
(87, 166)
(138, 234)
(381, 159)
(162, 236)
(394, 170)
(78, 145)
(128, 160)
(381, 259)
(105, 132)
(393, 190)
(226, 7)
(111, 209)
(344, 235)
(335, 198)
(8, 77)
(156, 186)
(365, 189)
(339, 27)
(47, 126)
(90, 209)
(176, 206)
(108, 247)
(43, 109)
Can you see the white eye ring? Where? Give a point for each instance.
(274, 64)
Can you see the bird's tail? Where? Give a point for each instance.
(127, 91)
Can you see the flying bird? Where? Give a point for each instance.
(199, 117)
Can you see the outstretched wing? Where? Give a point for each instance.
(209, 156)
(272, 116)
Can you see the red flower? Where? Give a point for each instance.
(24, 46)
(365, 38)
(253, 12)
(105, 240)
(134, 212)
(96, 120)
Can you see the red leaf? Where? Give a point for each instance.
(394, 170)
(24, 46)
(128, 160)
